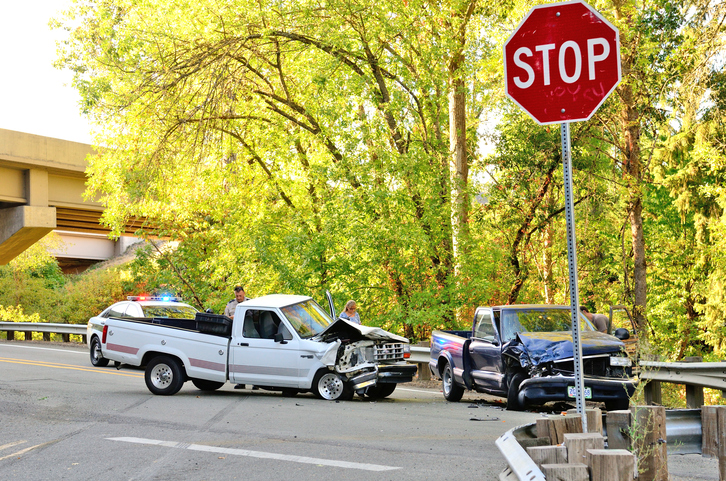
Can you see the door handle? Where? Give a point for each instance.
(244, 343)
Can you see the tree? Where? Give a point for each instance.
(327, 123)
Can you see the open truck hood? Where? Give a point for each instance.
(343, 328)
(533, 348)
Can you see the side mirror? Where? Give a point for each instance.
(621, 333)
(279, 338)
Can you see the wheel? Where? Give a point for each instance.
(513, 403)
(329, 385)
(205, 385)
(380, 391)
(617, 405)
(97, 358)
(452, 391)
(164, 376)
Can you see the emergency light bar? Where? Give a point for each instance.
(153, 298)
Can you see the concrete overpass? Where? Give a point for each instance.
(42, 181)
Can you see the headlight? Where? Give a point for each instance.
(620, 361)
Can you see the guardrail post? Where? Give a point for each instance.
(652, 393)
(618, 429)
(721, 426)
(424, 374)
(649, 439)
(694, 394)
(709, 431)
(28, 335)
(11, 335)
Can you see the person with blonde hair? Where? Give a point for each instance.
(351, 312)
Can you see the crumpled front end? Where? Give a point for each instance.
(367, 355)
(548, 360)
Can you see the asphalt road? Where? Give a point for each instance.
(62, 418)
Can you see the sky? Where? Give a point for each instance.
(35, 97)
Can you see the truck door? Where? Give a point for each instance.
(256, 358)
(485, 353)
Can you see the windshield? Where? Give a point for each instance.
(170, 312)
(307, 318)
(538, 320)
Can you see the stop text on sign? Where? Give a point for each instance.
(561, 62)
(570, 49)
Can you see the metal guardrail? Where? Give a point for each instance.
(706, 374)
(55, 328)
(420, 354)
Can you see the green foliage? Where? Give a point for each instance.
(299, 148)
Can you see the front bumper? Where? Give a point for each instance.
(395, 373)
(539, 390)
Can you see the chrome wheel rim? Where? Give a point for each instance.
(97, 351)
(330, 386)
(161, 376)
(447, 380)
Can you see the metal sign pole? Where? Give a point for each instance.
(572, 262)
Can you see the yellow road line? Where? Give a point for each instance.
(69, 367)
(23, 451)
(10, 445)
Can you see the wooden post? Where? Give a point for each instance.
(566, 472)
(46, 336)
(424, 373)
(11, 335)
(594, 419)
(619, 424)
(649, 439)
(548, 455)
(66, 337)
(652, 393)
(721, 421)
(694, 394)
(709, 431)
(578, 443)
(555, 427)
(28, 335)
(611, 464)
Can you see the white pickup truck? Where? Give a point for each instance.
(278, 342)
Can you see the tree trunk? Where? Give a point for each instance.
(460, 166)
(630, 120)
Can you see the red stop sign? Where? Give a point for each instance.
(562, 62)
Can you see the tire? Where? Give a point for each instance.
(164, 376)
(205, 385)
(617, 405)
(330, 386)
(452, 391)
(513, 403)
(97, 358)
(380, 391)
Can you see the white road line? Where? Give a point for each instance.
(435, 393)
(258, 454)
(44, 348)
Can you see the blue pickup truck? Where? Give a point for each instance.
(525, 353)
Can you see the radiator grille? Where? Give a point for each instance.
(392, 351)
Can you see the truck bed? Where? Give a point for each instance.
(204, 323)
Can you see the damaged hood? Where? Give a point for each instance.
(533, 348)
(343, 328)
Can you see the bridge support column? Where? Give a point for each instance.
(21, 227)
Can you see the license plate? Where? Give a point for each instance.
(572, 392)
